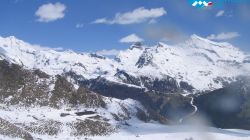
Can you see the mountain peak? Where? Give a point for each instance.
(11, 39)
(200, 42)
(160, 45)
(137, 45)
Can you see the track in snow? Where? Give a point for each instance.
(192, 113)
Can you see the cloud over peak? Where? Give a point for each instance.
(132, 38)
(138, 15)
(50, 12)
(223, 36)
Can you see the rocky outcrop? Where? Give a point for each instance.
(164, 85)
(65, 93)
(20, 86)
(91, 128)
(11, 130)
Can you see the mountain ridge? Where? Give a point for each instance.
(191, 61)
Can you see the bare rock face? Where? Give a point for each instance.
(20, 86)
(165, 85)
(44, 127)
(91, 128)
(65, 93)
(11, 130)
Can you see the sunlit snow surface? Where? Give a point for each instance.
(153, 131)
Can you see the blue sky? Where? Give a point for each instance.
(92, 25)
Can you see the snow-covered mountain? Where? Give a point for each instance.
(53, 94)
(198, 62)
(51, 61)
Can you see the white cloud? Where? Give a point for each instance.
(131, 39)
(79, 25)
(152, 21)
(50, 12)
(101, 20)
(136, 16)
(112, 52)
(224, 36)
(220, 13)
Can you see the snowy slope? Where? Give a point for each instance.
(35, 119)
(198, 61)
(151, 131)
(201, 63)
(54, 62)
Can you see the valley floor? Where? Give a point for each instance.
(153, 131)
(136, 130)
(132, 129)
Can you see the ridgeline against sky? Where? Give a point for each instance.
(96, 25)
